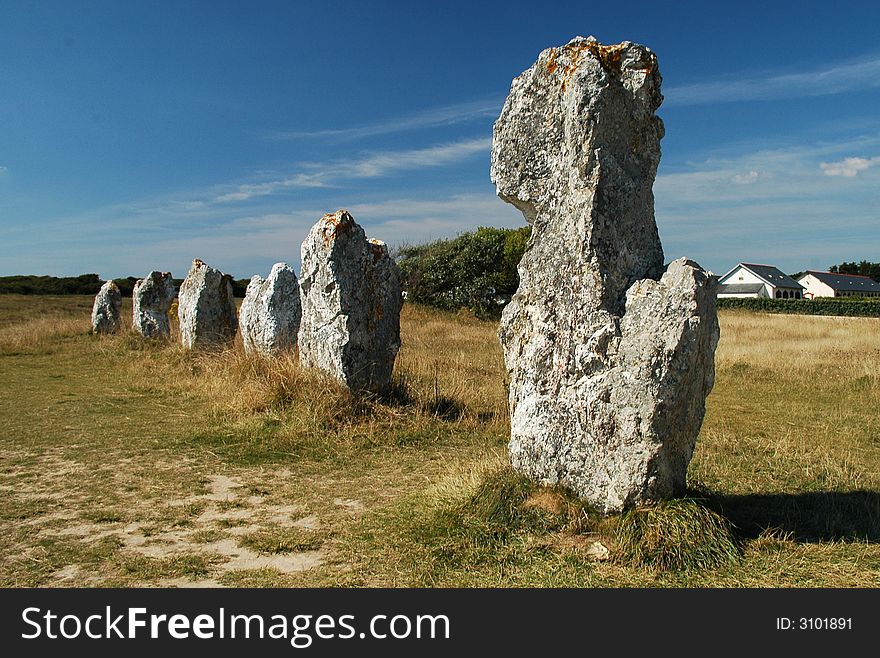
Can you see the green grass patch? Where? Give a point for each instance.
(675, 535)
(103, 516)
(504, 521)
(271, 541)
(187, 565)
(504, 518)
(207, 536)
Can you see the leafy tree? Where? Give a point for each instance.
(29, 284)
(476, 270)
(863, 268)
(84, 284)
(239, 287)
(126, 285)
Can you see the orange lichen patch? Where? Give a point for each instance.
(336, 223)
(573, 53)
(378, 248)
(551, 61)
(198, 262)
(609, 56)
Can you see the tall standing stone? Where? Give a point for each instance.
(270, 313)
(351, 301)
(610, 358)
(206, 307)
(105, 310)
(151, 299)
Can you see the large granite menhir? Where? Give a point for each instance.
(610, 357)
(270, 313)
(151, 300)
(105, 310)
(351, 300)
(206, 308)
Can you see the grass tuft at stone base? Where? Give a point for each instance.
(674, 535)
(505, 510)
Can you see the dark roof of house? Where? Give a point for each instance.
(771, 275)
(847, 282)
(739, 288)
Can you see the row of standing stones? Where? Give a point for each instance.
(610, 354)
(343, 314)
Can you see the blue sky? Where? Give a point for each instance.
(140, 135)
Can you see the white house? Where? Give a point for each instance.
(831, 284)
(750, 280)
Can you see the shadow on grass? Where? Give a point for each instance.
(445, 408)
(807, 517)
(400, 395)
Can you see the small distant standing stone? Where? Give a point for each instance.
(105, 311)
(206, 307)
(351, 301)
(151, 299)
(271, 311)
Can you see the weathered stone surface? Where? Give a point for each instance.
(206, 307)
(610, 359)
(105, 310)
(351, 300)
(270, 313)
(151, 299)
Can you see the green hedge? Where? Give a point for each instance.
(29, 284)
(85, 284)
(820, 306)
(476, 270)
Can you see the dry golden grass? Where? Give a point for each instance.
(132, 462)
(795, 403)
(444, 376)
(39, 334)
(455, 360)
(795, 346)
(38, 324)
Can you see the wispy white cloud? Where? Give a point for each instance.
(410, 221)
(848, 167)
(251, 190)
(440, 116)
(369, 166)
(772, 204)
(185, 206)
(747, 178)
(842, 77)
(756, 173)
(383, 163)
(147, 237)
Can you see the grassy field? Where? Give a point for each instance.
(124, 462)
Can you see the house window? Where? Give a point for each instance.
(778, 294)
